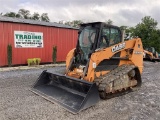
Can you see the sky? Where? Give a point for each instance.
(121, 12)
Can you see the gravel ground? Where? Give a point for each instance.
(18, 103)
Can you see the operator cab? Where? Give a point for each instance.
(94, 36)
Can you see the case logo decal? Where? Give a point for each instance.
(118, 47)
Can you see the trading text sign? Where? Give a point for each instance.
(25, 39)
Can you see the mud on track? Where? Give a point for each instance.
(18, 103)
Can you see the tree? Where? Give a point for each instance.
(147, 31)
(54, 54)
(77, 23)
(130, 30)
(155, 40)
(12, 14)
(35, 16)
(74, 23)
(68, 23)
(123, 27)
(44, 17)
(9, 55)
(24, 13)
(109, 21)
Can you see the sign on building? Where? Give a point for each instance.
(25, 39)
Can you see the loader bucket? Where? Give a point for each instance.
(71, 93)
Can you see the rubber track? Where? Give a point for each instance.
(111, 77)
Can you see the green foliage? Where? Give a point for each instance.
(74, 23)
(38, 60)
(44, 17)
(36, 16)
(109, 22)
(25, 14)
(9, 55)
(33, 61)
(54, 54)
(30, 62)
(123, 27)
(148, 32)
(12, 14)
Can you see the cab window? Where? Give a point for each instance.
(109, 37)
(104, 39)
(115, 37)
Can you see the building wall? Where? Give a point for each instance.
(64, 39)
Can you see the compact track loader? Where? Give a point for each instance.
(151, 54)
(102, 64)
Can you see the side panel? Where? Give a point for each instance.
(3, 51)
(133, 56)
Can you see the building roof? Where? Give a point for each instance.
(34, 22)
